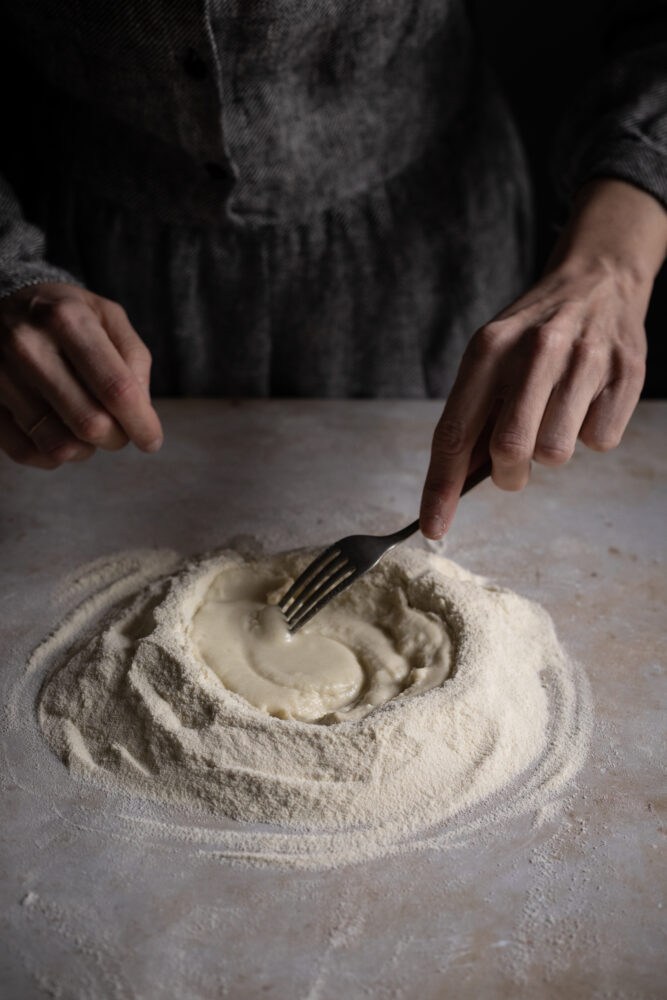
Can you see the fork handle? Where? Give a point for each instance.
(477, 476)
(472, 480)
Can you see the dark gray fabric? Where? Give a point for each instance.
(289, 198)
(618, 127)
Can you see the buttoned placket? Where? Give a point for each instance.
(200, 65)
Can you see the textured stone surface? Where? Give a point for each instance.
(572, 908)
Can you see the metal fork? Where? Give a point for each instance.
(344, 562)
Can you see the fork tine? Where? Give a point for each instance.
(342, 581)
(322, 592)
(311, 570)
(316, 582)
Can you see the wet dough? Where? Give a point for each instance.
(363, 649)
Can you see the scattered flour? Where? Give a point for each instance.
(130, 703)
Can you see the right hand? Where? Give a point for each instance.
(73, 358)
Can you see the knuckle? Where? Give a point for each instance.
(450, 438)
(117, 388)
(631, 368)
(554, 451)
(115, 310)
(510, 446)
(485, 342)
(61, 315)
(549, 339)
(140, 355)
(601, 439)
(92, 425)
(58, 451)
(589, 354)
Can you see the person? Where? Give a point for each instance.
(322, 203)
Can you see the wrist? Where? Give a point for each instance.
(614, 228)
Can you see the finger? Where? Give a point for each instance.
(49, 435)
(86, 345)
(18, 445)
(454, 438)
(515, 434)
(50, 377)
(611, 410)
(127, 341)
(567, 408)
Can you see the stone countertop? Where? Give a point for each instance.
(569, 909)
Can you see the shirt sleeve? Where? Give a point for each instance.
(618, 127)
(23, 246)
(22, 249)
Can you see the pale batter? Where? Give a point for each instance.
(361, 650)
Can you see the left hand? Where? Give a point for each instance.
(565, 361)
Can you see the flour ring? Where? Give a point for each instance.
(133, 707)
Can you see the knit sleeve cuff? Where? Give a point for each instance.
(623, 158)
(21, 274)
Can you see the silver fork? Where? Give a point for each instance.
(344, 562)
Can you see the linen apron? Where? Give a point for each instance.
(364, 208)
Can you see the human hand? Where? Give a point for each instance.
(74, 376)
(565, 361)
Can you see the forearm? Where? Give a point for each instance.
(614, 225)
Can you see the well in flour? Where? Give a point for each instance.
(454, 693)
(360, 651)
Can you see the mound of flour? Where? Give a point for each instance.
(131, 704)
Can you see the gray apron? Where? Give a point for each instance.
(290, 199)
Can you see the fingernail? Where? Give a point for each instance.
(154, 445)
(433, 526)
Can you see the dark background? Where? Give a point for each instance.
(543, 52)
